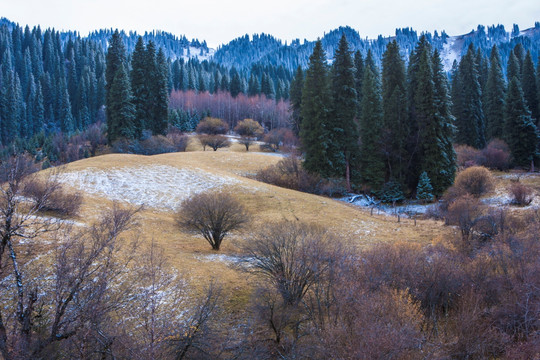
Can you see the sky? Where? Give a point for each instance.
(220, 21)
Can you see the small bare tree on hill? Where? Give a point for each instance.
(249, 130)
(213, 215)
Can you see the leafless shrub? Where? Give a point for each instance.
(521, 194)
(290, 174)
(51, 196)
(292, 256)
(476, 180)
(95, 135)
(197, 338)
(213, 215)
(214, 141)
(179, 141)
(496, 155)
(468, 156)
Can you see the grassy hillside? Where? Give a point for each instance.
(161, 182)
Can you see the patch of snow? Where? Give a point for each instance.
(227, 259)
(404, 210)
(449, 53)
(157, 186)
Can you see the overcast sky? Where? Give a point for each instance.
(219, 21)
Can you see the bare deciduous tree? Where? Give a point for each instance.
(51, 303)
(293, 256)
(213, 215)
(214, 141)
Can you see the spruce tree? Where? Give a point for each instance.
(520, 132)
(295, 94)
(116, 58)
(394, 112)
(424, 190)
(494, 97)
(444, 156)
(315, 112)
(358, 79)
(371, 127)
(513, 70)
(343, 129)
(530, 90)
(470, 119)
(159, 95)
(140, 87)
(253, 86)
(120, 124)
(236, 84)
(66, 118)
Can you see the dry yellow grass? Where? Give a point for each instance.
(266, 203)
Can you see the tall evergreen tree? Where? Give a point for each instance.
(253, 86)
(236, 84)
(122, 112)
(470, 118)
(159, 95)
(295, 94)
(358, 79)
(513, 70)
(371, 127)
(66, 118)
(140, 87)
(316, 103)
(520, 131)
(494, 97)
(530, 90)
(116, 58)
(394, 113)
(343, 129)
(440, 153)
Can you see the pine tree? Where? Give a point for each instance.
(343, 129)
(159, 95)
(236, 84)
(513, 70)
(520, 132)
(444, 156)
(253, 86)
(494, 97)
(266, 87)
(424, 190)
(66, 118)
(121, 121)
(316, 103)
(528, 82)
(394, 113)
(297, 84)
(371, 127)
(140, 87)
(116, 58)
(358, 79)
(470, 119)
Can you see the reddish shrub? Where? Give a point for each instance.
(468, 156)
(496, 155)
(521, 194)
(52, 197)
(476, 180)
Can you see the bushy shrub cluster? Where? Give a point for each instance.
(290, 174)
(496, 155)
(152, 145)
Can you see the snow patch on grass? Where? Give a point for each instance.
(156, 186)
